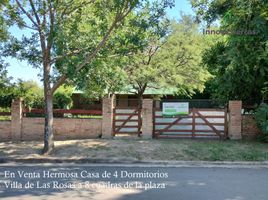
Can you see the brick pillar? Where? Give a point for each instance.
(235, 120)
(107, 117)
(147, 118)
(16, 119)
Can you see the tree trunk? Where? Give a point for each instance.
(48, 135)
(140, 100)
(48, 132)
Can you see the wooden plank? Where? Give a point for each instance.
(139, 122)
(184, 123)
(126, 120)
(213, 116)
(65, 111)
(225, 124)
(186, 130)
(183, 116)
(114, 121)
(180, 123)
(5, 113)
(174, 136)
(175, 131)
(134, 126)
(125, 114)
(154, 133)
(208, 123)
(122, 120)
(193, 121)
(126, 132)
(188, 136)
(170, 125)
(189, 116)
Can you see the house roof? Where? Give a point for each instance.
(151, 91)
(148, 91)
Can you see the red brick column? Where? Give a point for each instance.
(235, 120)
(107, 117)
(147, 118)
(16, 119)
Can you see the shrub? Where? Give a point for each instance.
(62, 97)
(261, 117)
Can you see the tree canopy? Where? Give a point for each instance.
(239, 63)
(171, 60)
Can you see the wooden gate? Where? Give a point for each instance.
(127, 120)
(199, 123)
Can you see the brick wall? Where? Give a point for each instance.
(147, 118)
(249, 127)
(33, 128)
(22, 128)
(107, 117)
(234, 125)
(5, 130)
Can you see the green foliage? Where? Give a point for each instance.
(31, 92)
(180, 56)
(239, 63)
(4, 79)
(172, 60)
(62, 97)
(3, 23)
(108, 72)
(261, 117)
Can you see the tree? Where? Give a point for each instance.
(69, 23)
(4, 79)
(172, 59)
(239, 63)
(68, 38)
(3, 23)
(108, 74)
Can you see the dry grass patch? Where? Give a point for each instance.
(140, 149)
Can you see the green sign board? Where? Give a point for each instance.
(175, 108)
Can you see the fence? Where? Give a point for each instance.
(78, 113)
(127, 120)
(199, 123)
(28, 124)
(5, 115)
(23, 127)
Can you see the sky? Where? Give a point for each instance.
(22, 70)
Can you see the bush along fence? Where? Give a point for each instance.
(144, 121)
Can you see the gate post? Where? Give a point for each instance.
(107, 117)
(16, 119)
(235, 119)
(147, 118)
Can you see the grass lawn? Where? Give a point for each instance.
(216, 150)
(139, 149)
